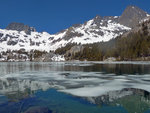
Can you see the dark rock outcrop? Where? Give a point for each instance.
(20, 27)
(73, 51)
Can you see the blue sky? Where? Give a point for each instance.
(55, 15)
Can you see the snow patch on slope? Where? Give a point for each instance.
(58, 58)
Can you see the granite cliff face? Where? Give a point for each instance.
(132, 16)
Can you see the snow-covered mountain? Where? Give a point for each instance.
(95, 30)
(22, 37)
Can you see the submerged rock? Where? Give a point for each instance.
(38, 110)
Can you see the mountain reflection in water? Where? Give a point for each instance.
(74, 87)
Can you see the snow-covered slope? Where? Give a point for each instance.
(95, 30)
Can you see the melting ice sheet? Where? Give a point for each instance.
(84, 79)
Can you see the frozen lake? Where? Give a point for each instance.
(75, 87)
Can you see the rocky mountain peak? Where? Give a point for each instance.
(131, 16)
(97, 18)
(20, 27)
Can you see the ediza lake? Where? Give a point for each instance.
(75, 87)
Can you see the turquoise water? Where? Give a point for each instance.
(56, 102)
(75, 87)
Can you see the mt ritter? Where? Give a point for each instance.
(19, 37)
